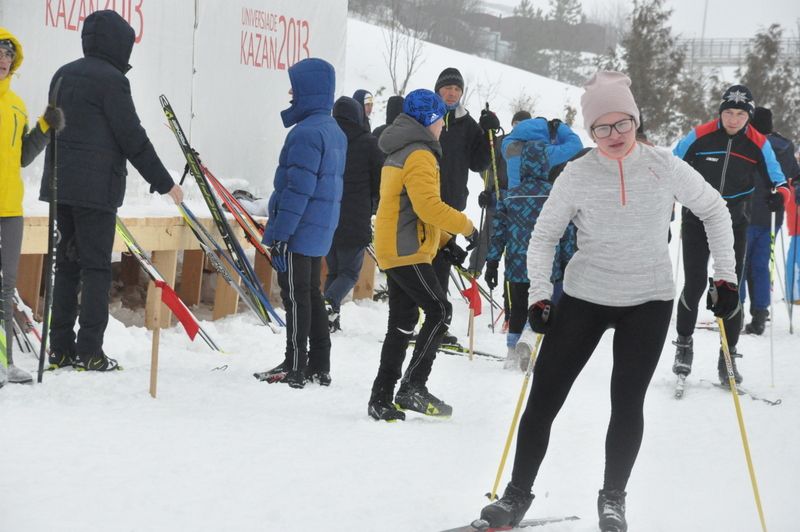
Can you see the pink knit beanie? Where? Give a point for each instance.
(607, 92)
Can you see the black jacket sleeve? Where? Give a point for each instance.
(479, 158)
(132, 138)
(376, 158)
(33, 142)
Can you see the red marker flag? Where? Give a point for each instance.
(473, 295)
(171, 299)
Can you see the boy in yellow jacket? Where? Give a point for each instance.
(411, 225)
(19, 146)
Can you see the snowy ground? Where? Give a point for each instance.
(219, 450)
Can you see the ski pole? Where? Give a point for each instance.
(772, 269)
(494, 161)
(493, 494)
(732, 383)
(491, 308)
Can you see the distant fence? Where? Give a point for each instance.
(728, 52)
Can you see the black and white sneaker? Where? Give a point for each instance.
(381, 408)
(611, 511)
(97, 363)
(419, 399)
(323, 378)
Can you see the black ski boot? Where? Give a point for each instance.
(419, 399)
(323, 378)
(509, 510)
(758, 323)
(276, 374)
(61, 360)
(684, 353)
(611, 511)
(449, 339)
(333, 317)
(295, 378)
(381, 408)
(96, 363)
(722, 368)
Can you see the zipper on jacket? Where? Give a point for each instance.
(14, 136)
(725, 166)
(621, 182)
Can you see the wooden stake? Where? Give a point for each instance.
(471, 332)
(154, 362)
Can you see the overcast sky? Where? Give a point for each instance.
(725, 18)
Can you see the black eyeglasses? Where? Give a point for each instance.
(603, 131)
(8, 54)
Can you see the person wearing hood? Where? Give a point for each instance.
(619, 196)
(362, 178)
(761, 230)
(104, 133)
(19, 146)
(411, 226)
(303, 214)
(731, 155)
(465, 147)
(513, 224)
(366, 101)
(393, 108)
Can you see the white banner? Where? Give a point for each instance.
(222, 62)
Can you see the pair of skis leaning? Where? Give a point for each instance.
(251, 290)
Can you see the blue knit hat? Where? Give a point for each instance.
(424, 106)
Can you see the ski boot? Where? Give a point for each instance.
(295, 379)
(722, 368)
(276, 374)
(96, 363)
(611, 511)
(18, 376)
(758, 323)
(323, 378)
(684, 353)
(449, 339)
(508, 511)
(419, 399)
(333, 317)
(61, 360)
(381, 408)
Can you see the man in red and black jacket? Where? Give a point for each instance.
(732, 156)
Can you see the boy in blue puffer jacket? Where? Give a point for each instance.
(511, 231)
(303, 214)
(561, 144)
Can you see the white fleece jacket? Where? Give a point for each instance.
(622, 211)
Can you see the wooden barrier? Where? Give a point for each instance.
(164, 237)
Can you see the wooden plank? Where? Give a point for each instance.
(226, 299)
(191, 276)
(29, 280)
(165, 262)
(366, 280)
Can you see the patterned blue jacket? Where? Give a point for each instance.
(517, 214)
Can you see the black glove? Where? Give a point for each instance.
(491, 274)
(54, 117)
(485, 199)
(540, 315)
(774, 202)
(280, 255)
(473, 239)
(723, 298)
(453, 254)
(489, 120)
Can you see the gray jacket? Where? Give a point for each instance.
(622, 212)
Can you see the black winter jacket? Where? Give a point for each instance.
(465, 147)
(103, 129)
(362, 178)
(393, 108)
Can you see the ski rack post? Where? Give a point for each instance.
(239, 260)
(493, 494)
(155, 325)
(742, 430)
(52, 243)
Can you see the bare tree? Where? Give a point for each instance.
(523, 102)
(485, 90)
(403, 50)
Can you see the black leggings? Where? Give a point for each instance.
(639, 336)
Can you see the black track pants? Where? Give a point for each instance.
(639, 336)
(308, 339)
(411, 288)
(696, 273)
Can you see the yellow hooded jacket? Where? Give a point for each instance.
(15, 149)
(412, 221)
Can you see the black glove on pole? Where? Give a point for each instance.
(723, 298)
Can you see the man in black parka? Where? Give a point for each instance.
(362, 176)
(104, 132)
(394, 106)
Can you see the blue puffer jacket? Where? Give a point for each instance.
(560, 150)
(304, 206)
(517, 214)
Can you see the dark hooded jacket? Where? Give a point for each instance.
(393, 108)
(359, 96)
(362, 176)
(307, 191)
(465, 147)
(103, 129)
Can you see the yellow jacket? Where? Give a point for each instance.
(18, 146)
(412, 222)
